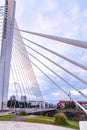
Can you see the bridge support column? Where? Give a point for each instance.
(83, 125)
(6, 48)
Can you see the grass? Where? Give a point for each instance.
(50, 120)
(6, 117)
(36, 120)
(72, 125)
(73, 122)
(44, 117)
(43, 120)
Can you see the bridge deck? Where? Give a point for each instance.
(28, 110)
(35, 110)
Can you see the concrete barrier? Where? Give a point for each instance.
(83, 125)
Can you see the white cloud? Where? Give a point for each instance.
(55, 94)
(75, 10)
(85, 13)
(51, 5)
(74, 92)
(84, 91)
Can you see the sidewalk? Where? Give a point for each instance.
(9, 125)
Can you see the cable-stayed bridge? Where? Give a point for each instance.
(16, 54)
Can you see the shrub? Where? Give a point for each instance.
(60, 119)
(23, 113)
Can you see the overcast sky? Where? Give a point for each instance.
(65, 18)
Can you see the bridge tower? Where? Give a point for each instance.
(6, 48)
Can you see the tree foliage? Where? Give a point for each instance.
(18, 104)
(60, 119)
(70, 105)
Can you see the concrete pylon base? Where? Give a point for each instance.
(83, 125)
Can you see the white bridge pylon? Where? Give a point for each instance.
(6, 48)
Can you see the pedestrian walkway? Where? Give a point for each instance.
(9, 125)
